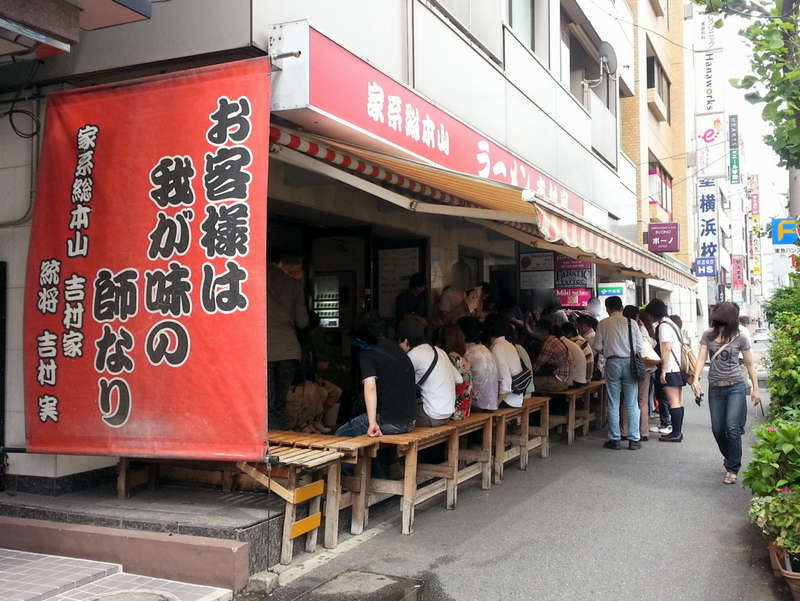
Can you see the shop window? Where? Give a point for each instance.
(658, 81)
(660, 185)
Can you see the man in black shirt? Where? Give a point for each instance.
(410, 304)
(388, 379)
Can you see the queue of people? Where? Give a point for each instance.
(468, 356)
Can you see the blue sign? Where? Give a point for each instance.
(784, 231)
(705, 267)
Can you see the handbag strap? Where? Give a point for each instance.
(722, 348)
(680, 341)
(430, 369)
(630, 336)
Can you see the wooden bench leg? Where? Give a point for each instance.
(571, 420)
(358, 520)
(333, 495)
(409, 499)
(524, 439)
(122, 478)
(227, 481)
(452, 463)
(545, 419)
(587, 406)
(486, 447)
(313, 508)
(287, 542)
(499, 450)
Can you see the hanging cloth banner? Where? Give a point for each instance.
(145, 302)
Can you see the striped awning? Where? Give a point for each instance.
(537, 218)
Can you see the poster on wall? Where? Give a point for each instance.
(145, 305)
(395, 268)
(573, 297)
(536, 270)
(571, 273)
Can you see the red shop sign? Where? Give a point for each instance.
(145, 303)
(355, 92)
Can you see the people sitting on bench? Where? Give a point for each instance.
(551, 368)
(507, 358)
(387, 375)
(571, 332)
(577, 359)
(435, 375)
(485, 378)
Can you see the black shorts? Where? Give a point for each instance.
(673, 378)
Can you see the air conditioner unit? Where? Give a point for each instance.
(688, 11)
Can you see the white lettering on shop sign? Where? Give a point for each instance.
(407, 118)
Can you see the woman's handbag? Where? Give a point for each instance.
(637, 365)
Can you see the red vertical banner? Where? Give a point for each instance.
(737, 268)
(145, 303)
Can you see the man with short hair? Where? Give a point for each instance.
(410, 303)
(551, 368)
(582, 374)
(613, 340)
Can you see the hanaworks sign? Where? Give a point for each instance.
(330, 91)
(145, 305)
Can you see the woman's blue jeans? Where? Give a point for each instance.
(728, 407)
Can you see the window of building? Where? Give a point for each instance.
(657, 78)
(660, 185)
(529, 20)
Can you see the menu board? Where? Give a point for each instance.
(536, 270)
(395, 268)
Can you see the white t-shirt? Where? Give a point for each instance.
(439, 390)
(508, 365)
(577, 361)
(667, 331)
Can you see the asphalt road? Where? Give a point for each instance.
(585, 524)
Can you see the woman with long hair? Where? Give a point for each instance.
(722, 344)
(669, 380)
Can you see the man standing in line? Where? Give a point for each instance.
(614, 342)
(286, 312)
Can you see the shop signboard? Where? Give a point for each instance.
(737, 267)
(733, 141)
(785, 231)
(663, 237)
(145, 303)
(708, 231)
(611, 289)
(573, 297)
(541, 261)
(340, 85)
(711, 83)
(572, 273)
(705, 267)
(711, 147)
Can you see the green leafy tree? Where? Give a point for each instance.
(775, 67)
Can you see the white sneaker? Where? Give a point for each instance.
(667, 430)
(655, 428)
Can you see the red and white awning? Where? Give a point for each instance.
(538, 219)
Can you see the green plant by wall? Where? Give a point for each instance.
(784, 300)
(778, 517)
(784, 365)
(776, 458)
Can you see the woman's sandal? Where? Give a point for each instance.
(730, 478)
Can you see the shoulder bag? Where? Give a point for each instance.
(425, 376)
(520, 382)
(687, 359)
(638, 369)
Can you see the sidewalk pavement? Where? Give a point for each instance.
(585, 524)
(36, 577)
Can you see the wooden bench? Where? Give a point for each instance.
(436, 478)
(598, 391)
(297, 461)
(528, 438)
(577, 417)
(474, 462)
(357, 451)
(133, 473)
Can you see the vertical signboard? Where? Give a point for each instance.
(711, 149)
(755, 239)
(733, 142)
(708, 228)
(737, 267)
(145, 305)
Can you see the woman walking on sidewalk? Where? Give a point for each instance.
(726, 383)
